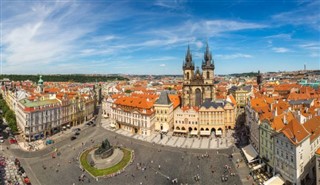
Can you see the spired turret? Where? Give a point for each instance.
(208, 67)
(188, 63)
(208, 62)
(188, 67)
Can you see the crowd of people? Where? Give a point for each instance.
(12, 173)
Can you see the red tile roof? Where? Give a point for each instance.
(295, 132)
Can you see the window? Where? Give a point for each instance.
(291, 158)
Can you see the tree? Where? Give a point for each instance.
(128, 91)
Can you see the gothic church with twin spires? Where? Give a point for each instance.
(198, 85)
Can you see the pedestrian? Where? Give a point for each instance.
(159, 166)
(88, 180)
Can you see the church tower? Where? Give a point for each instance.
(40, 85)
(208, 75)
(259, 80)
(208, 67)
(198, 86)
(188, 74)
(188, 68)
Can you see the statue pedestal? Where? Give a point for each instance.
(101, 162)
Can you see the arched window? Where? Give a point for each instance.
(187, 75)
(208, 74)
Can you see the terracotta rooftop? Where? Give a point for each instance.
(313, 127)
(279, 121)
(175, 99)
(295, 132)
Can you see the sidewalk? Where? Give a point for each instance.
(175, 141)
(41, 144)
(243, 169)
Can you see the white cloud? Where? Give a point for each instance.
(41, 34)
(279, 36)
(314, 54)
(281, 50)
(171, 4)
(307, 14)
(199, 44)
(206, 28)
(162, 65)
(310, 46)
(234, 56)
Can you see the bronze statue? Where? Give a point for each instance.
(105, 150)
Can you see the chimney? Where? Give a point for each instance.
(285, 119)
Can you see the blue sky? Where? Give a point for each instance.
(151, 37)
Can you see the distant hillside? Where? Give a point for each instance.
(251, 74)
(64, 78)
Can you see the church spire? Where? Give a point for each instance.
(207, 62)
(188, 64)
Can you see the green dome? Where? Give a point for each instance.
(40, 80)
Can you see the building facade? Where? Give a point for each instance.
(164, 113)
(186, 120)
(216, 116)
(134, 114)
(198, 86)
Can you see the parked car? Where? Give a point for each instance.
(76, 130)
(12, 141)
(49, 141)
(77, 133)
(1, 141)
(93, 125)
(73, 138)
